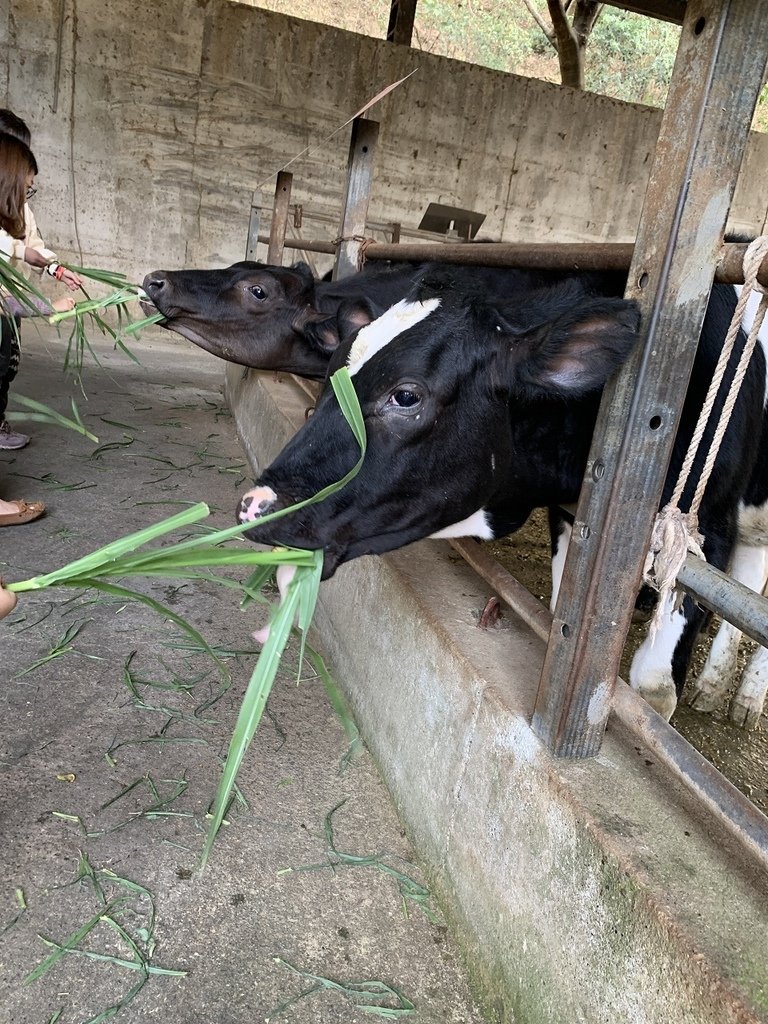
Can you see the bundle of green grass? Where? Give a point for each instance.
(87, 311)
(130, 556)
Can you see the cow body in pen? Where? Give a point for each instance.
(477, 412)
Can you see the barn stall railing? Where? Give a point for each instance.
(617, 256)
(671, 267)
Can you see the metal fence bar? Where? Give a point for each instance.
(747, 824)
(357, 194)
(698, 154)
(532, 255)
(726, 597)
(279, 222)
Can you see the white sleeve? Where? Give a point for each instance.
(6, 243)
(33, 238)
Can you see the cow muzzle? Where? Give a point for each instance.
(257, 502)
(159, 290)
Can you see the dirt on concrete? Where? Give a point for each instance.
(114, 730)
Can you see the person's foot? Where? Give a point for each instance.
(13, 513)
(10, 438)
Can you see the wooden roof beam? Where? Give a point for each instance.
(663, 10)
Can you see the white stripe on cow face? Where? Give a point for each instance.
(375, 336)
(476, 525)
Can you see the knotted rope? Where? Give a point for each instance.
(364, 243)
(676, 533)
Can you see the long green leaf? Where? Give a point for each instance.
(45, 414)
(113, 550)
(254, 702)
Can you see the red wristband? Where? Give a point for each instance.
(59, 272)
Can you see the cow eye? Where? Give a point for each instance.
(257, 292)
(405, 398)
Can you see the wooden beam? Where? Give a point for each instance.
(360, 167)
(402, 14)
(279, 218)
(662, 10)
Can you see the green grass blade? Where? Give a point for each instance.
(139, 325)
(70, 943)
(45, 414)
(115, 549)
(254, 702)
(161, 609)
(336, 701)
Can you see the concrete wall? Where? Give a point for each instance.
(165, 116)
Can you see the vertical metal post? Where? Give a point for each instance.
(253, 226)
(279, 223)
(703, 136)
(362, 156)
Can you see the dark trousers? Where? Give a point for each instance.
(10, 357)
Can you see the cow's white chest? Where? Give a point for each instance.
(476, 525)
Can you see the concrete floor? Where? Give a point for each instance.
(74, 738)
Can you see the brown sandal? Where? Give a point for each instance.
(27, 512)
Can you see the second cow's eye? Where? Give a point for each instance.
(257, 291)
(405, 398)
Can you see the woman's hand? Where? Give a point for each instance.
(72, 280)
(63, 305)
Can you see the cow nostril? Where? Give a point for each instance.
(154, 284)
(252, 508)
(244, 508)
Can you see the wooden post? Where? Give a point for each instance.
(362, 155)
(402, 14)
(698, 154)
(279, 218)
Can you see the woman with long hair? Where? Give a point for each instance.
(18, 168)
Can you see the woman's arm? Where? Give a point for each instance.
(34, 306)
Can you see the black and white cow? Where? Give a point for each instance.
(477, 412)
(281, 318)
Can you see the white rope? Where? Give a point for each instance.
(676, 533)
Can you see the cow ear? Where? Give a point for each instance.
(354, 314)
(327, 332)
(304, 270)
(576, 352)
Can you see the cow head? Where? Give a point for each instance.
(461, 400)
(249, 313)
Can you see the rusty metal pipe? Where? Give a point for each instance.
(534, 255)
(727, 597)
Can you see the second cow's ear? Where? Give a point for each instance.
(576, 352)
(327, 331)
(352, 315)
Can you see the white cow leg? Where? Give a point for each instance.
(709, 690)
(559, 551)
(651, 670)
(747, 704)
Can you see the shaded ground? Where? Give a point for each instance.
(111, 753)
(740, 755)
